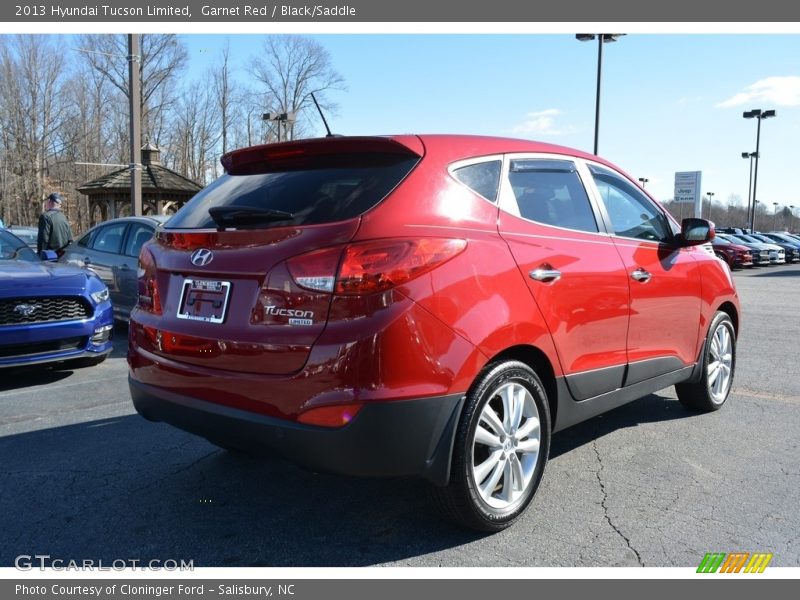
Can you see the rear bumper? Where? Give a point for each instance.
(399, 438)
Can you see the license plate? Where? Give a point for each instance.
(204, 300)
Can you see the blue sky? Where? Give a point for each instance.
(670, 102)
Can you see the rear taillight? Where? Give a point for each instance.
(376, 266)
(370, 267)
(149, 298)
(316, 270)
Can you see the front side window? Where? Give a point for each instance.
(551, 192)
(632, 214)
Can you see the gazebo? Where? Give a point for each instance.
(163, 190)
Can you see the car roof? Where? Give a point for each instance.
(151, 219)
(446, 146)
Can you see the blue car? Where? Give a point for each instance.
(50, 312)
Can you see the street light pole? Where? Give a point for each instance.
(759, 114)
(753, 226)
(135, 98)
(751, 156)
(791, 218)
(643, 180)
(774, 216)
(709, 194)
(602, 38)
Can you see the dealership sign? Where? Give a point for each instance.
(687, 189)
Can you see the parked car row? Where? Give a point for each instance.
(741, 249)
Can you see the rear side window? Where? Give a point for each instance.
(109, 239)
(330, 188)
(482, 178)
(137, 236)
(551, 192)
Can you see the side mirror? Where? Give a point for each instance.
(696, 231)
(48, 255)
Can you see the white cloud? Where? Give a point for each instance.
(540, 123)
(778, 91)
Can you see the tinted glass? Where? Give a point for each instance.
(86, 239)
(138, 234)
(551, 192)
(332, 189)
(13, 248)
(27, 236)
(483, 178)
(109, 238)
(632, 213)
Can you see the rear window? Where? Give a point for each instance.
(332, 188)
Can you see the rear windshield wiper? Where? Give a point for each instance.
(243, 216)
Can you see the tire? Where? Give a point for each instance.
(501, 448)
(719, 364)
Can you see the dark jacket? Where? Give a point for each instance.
(54, 231)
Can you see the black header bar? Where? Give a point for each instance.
(394, 11)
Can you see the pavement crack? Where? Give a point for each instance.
(604, 504)
(182, 469)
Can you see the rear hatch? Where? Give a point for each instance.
(233, 280)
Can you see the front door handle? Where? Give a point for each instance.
(641, 275)
(545, 275)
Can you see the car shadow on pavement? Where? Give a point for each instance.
(778, 273)
(123, 489)
(650, 409)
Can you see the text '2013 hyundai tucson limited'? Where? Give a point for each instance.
(432, 306)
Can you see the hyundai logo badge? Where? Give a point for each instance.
(201, 257)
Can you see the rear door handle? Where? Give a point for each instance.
(545, 275)
(641, 275)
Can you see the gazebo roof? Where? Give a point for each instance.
(156, 178)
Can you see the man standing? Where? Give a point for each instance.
(54, 230)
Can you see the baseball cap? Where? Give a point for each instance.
(55, 197)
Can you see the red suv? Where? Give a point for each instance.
(433, 306)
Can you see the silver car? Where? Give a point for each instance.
(29, 235)
(111, 250)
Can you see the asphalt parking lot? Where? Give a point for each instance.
(83, 477)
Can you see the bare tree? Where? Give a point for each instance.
(32, 69)
(163, 58)
(195, 134)
(289, 69)
(224, 91)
